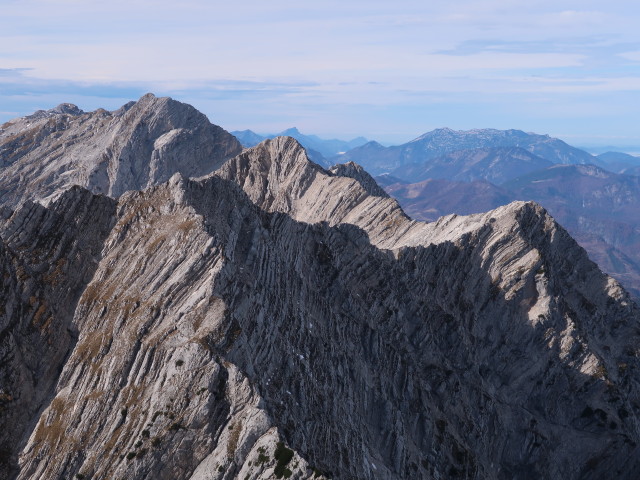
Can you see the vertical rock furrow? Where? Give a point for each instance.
(50, 256)
(277, 320)
(179, 409)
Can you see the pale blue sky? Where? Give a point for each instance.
(386, 70)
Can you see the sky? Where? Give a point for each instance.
(389, 71)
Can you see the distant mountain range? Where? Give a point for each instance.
(496, 165)
(605, 195)
(318, 149)
(437, 143)
(431, 199)
(619, 162)
(598, 150)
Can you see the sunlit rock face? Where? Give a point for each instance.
(141, 144)
(277, 320)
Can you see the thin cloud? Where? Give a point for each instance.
(13, 72)
(634, 56)
(319, 61)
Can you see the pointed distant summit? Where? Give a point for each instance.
(319, 149)
(248, 138)
(291, 132)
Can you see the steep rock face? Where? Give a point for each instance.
(358, 173)
(599, 208)
(216, 325)
(141, 144)
(278, 177)
(48, 257)
(147, 391)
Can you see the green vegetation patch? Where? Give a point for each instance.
(262, 458)
(283, 456)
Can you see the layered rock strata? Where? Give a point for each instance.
(141, 144)
(277, 319)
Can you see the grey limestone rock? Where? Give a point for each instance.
(277, 320)
(139, 145)
(48, 257)
(353, 170)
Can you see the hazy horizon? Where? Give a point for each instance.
(389, 72)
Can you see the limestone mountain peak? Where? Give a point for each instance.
(275, 319)
(138, 145)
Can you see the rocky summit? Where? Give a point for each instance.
(274, 319)
(139, 145)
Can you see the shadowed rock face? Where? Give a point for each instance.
(48, 256)
(274, 319)
(139, 145)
